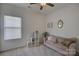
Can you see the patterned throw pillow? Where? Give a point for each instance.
(67, 43)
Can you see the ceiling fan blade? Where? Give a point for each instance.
(41, 7)
(33, 3)
(52, 5)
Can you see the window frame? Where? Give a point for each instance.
(13, 27)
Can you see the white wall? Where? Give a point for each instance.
(70, 17)
(31, 22)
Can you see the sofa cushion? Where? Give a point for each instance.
(60, 46)
(49, 37)
(52, 38)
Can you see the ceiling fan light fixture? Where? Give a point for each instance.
(43, 4)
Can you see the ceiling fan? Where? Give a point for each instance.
(43, 4)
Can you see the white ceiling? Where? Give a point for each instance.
(46, 10)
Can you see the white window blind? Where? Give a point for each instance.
(12, 27)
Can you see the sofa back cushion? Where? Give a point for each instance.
(60, 40)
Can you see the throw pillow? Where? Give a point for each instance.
(67, 43)
(52, 38)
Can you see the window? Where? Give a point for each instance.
(12, 27)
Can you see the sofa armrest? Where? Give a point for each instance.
(72, 49)
(73, 45)
(44, 40)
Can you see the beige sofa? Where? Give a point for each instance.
(65, 46)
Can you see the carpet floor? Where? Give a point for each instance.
(31, 51)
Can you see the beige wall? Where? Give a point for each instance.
(0, 31)
(31, 22)
(70, 17)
